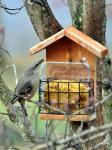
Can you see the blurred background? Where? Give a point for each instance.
(17, 35)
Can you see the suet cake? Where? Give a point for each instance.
(66, 96)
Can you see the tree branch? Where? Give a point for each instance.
(103, 129)
(39, 2)
(6, 97)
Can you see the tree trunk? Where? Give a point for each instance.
(43, 19)
(97, 31)
(94, 19)
(34, 12)
(76, 9)
(94, 23)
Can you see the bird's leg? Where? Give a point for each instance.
(23, 108)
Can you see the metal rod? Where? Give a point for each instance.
(79, 98)
(40, 95)
(70, 81)
(58, 96)
(68, 98)
(48, 94)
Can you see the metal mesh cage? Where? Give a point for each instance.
(66, 86)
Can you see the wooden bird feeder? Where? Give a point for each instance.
(68, 81)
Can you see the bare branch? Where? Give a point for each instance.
(89, 131)
(7, 52)
(13, 65)
(44, 105)
(39, 2)
(5, 97)
(5, 69)
(2, 113)
(100, 144)
(101, 134)
(103, 129)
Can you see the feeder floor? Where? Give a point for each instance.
(71, 118)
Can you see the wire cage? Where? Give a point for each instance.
(66, 86)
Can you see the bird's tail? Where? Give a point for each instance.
(39, 62)
(34, 66)
(15, 99)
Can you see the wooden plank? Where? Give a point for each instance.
(85, 37)
(46, 42)
(60, 49)
(77, 37)
(86, 42)
(71, 118)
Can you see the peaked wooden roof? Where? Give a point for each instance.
(76, 36)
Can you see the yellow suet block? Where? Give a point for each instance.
(65, 99)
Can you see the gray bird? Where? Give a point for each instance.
(27, 86)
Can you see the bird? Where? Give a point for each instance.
(27, 86)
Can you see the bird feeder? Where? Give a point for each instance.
(68, 77)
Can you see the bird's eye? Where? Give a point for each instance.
(28, 90)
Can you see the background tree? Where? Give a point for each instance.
(93, 23)
(42, 19)
(87, 15)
